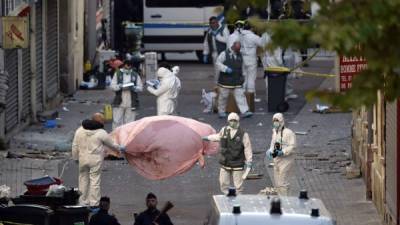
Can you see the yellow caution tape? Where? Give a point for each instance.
(315, 74)
(277, 69)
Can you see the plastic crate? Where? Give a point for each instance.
(40, 186)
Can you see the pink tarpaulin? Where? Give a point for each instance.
(159, 147)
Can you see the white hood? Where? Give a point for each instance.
(279, 117)
(164, 73)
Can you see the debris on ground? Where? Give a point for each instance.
(254, 176)
(35, 154)
(353, 171)
(300, 132)
(268, 191)
(5, 191)
(327, 109)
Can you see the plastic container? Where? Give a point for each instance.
(40, 186)
(70, 198)
(50, 124)
(277, 77)
(26, 214)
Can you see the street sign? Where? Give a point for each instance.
(15, 32)
(348, 68)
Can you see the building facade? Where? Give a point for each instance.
(33, 74)
(375, 149)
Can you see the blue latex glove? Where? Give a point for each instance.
(269, 155)
(122, 149)
(205, 58)
(228, 70)
(279, 152)
(248, 165)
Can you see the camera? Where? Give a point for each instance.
(277, 147)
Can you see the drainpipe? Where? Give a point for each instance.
(32, 46)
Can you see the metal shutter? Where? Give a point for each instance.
(26, 83)
(39, 56)
(11, 67)
(52, 72)
(391, 157)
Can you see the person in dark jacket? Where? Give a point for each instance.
(152, 216)
(236, 154)
(103, 217)
(215, 43)
(126, 84)
(230, 63)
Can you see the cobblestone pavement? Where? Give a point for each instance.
(323, 153)
(191, 192)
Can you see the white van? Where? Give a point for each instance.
(264, 209)
(177, 25)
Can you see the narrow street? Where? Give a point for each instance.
(79, 78)
(191, 192)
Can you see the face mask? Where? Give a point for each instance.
(275, 124)
(233, 124)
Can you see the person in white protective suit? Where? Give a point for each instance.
(291, 59)
(250, 42)
(230, 63)
(88, 149)
(282, 152)
(167, 91)
(214, 43)
(235, 154)
(271, 58)
(126, 83)
(235, 36)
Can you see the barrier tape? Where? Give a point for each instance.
(315, 74)
(305, 61)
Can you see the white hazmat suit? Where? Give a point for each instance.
(125, 112)
(283, 165)
(235, 173)
(167, 92)
(271, 58)
(88, 147)
(291, 58)
(250, 42)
